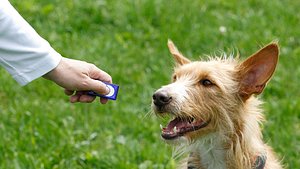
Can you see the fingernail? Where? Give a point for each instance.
(107, 89)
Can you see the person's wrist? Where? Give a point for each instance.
(52, 74)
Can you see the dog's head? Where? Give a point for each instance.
(207, 96)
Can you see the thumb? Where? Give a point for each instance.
(98, 86)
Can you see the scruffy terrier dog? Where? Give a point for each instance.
(216, 116)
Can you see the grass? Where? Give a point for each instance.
(39, 128)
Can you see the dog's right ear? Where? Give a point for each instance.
(179, 58)
(256, 71)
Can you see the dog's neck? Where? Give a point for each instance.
(208, 152)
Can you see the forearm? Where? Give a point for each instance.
(23, 53)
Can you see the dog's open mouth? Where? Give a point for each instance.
(178, 127)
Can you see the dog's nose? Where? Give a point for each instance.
(161, 98)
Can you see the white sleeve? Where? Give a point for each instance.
(23, 53)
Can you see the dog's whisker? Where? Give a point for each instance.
(148, 114)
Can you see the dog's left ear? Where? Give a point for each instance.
(179, 58)
(255, 71)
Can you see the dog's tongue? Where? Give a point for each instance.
(175, 128)
(178, 127)
(176, 122)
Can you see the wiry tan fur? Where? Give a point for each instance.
(233, 138)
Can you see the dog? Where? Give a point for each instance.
(216, 115)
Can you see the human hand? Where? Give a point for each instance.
(78, 77)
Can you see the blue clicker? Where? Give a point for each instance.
(113, 92)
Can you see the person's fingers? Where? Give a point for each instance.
(80, 96)
(69, 92)
(74, 98)
(86, 98)
(96, 73)
(97, 86)
(103, 100)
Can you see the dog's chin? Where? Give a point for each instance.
(182, 127)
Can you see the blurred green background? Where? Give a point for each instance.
(39, 128)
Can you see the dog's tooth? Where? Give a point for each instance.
(161, 126)
(175, 129)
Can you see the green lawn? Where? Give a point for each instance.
(39, 128)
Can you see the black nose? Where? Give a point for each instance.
(161, 98)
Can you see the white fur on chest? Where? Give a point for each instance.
(210, 151)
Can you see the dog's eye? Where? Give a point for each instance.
(206, 82)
